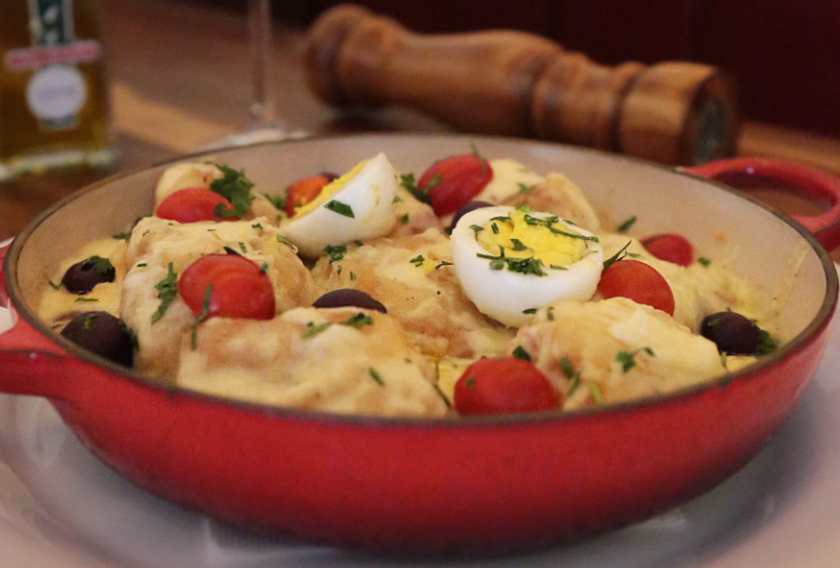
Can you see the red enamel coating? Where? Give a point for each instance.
(820, 186)
(432, 485)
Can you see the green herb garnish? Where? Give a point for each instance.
(404, 219)
(54, 286)
(86, 323)
(520, 353)
(242, 247)
(278, 201)
(549, 313)
(229, 250)
(628, 359)
(359, 320)
(766, 343)
(625, 226)
(481, 159)
(596, 393)
(101, 265)
(340, 208)
(336, 252)
(167, 291)
(530, 311)
(417, 260)
(410, 184)
(517, 245)
(704, 261)
(205, 310)
(470, 382)
(313, 330)
(476, 229)
(82, 299)
(525, 188)
(617, 256)
(549, 222)
(444, 263)
(264, 267)
(352, 276)
(284, 240)
(376, 376)
(234, 187)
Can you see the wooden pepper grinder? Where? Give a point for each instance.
(518, 84)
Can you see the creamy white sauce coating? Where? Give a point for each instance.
(405, 363)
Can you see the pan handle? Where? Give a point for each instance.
(744, 173)
(29, 362)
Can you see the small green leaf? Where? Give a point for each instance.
(625, 226)
(340, 208)
(374, 374)
(520, 353)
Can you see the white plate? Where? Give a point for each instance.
(61, 508)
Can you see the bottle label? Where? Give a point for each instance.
(55, 95)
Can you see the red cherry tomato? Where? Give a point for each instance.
(239, 288)
(505, 385)
(638, 281)
(193, 204)
(461, 178)
(670, 247)
(303, 191)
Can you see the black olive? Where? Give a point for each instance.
(83, 276)
(732, 333)
(348, 297)
(466, 208)
(103, 334)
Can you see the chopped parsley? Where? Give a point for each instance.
(549, 222)
(476, 228)
(517, 245)
(100, 265)
(352, 276)
(313, 330)
(54, 286)
(530, 311)
(596, 393)
(340, 208)
(766, 344)
(234, 187)
(205, 310)
(404, 219)
(557, 267)
(520, 353)
(242, 247)
(495, 228)
(525, 188)
(359, 320)
(257, 226)
(278, 201)
(704, 261)
(86, 323)
(470, 382)
(530, 265)
(481, 159)
(417, 260)
(567, 368)
(420, 194)
(284, 240)
(625, 226)
(167, 290)
(444, 263)
(396, 199)
(628, 358)
(122, 236)
(142, 265)
(264, 267)
(374, 374)
(229, 250)
(82, 299)
(549, 313)
(617, 256)
(336, 252)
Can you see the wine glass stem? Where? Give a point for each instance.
(263, 111)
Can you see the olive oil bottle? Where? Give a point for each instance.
(54, 106)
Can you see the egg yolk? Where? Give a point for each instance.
(524, 236)
(329, 190)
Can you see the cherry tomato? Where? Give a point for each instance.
(303, 191)
(639, 282)
(503, 385)
(193, 204)
(239, 288)
(461, 178)
(670, 247)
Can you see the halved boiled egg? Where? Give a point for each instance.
(512, 261)
(358, 205)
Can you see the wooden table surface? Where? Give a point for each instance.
(180, 78)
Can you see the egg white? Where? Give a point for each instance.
(369, 193)
(505, 295)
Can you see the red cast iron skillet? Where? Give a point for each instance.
(438, 485)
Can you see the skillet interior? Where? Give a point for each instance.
(763, 246)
